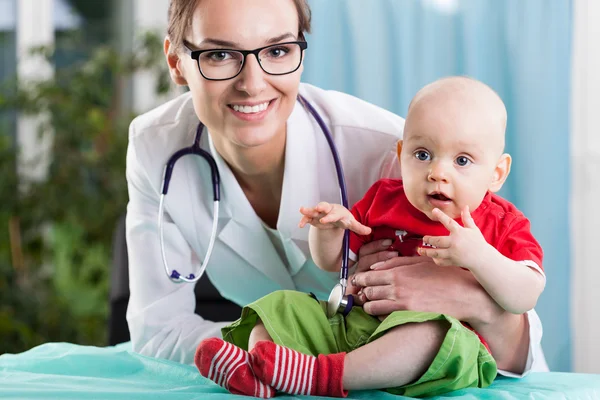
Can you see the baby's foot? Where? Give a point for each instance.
(229, 366)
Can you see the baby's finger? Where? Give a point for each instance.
(303, 221)
(448, 222)
(324, 207)
(335, 215)
(309, 211)
(467, 219)
(440, 242)
(433, 253)
(358, 228)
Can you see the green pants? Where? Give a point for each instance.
(298, 321)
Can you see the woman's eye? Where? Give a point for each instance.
(422, 155)
(219, 56)
(462, 161)
(277, 52)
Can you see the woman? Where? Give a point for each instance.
(273, 158)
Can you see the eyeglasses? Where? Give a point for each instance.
(223, 64)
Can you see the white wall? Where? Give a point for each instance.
(585, 170)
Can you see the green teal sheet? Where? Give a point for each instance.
(68, 371)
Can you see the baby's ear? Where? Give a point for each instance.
(500, 172)
(399, 148)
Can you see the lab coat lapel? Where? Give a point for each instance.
(242, 230)
(300, 185)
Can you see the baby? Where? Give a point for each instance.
(453, 161)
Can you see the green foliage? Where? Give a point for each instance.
(55, 234)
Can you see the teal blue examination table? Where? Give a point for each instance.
(68, 371)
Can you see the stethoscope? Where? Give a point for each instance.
(337, 301)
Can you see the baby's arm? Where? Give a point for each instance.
(328, 222)
(513, 285)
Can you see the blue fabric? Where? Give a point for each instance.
(68, 371)
(384, 51)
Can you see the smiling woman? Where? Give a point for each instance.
(244, 81)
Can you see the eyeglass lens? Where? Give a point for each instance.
(278, 59)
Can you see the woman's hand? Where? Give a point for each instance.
(418, 284)
(368, 255)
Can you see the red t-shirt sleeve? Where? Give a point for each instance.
(360, 211)
(519, 243)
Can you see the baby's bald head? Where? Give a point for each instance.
(462, 98)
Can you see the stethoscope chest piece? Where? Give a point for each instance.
(338, 302)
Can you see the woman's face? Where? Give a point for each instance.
(242, 25)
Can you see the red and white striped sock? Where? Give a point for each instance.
(229, 366)
(292, 372)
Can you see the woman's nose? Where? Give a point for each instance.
(252, 78)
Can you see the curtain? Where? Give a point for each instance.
(383, 51)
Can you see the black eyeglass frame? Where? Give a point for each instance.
(195, 54)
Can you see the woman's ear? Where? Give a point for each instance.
(500, 173)
(173, 61)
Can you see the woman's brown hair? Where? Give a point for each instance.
(181, 12)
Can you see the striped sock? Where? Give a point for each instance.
(292, 372)
(229, 366)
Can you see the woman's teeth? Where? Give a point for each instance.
(251, 109)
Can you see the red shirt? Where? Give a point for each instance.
(386, 210)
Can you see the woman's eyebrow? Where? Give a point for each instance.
(280, 38)
(233, 45)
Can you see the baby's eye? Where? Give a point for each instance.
(463, 161)
(422, 155)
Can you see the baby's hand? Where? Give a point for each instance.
(331, 216)
(465, 247)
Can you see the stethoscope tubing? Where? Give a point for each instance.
(195, 149)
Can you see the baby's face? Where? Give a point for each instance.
(449, 157)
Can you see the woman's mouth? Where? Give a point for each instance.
(251, 112)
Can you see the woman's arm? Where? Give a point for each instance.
(417, 283)
(161, 317)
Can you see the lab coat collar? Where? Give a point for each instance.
(241, 229)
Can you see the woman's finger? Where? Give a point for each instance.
(372, 278)
(375, 246)
(377, 292)
(394, 262)
(381, 307)
(366, 262)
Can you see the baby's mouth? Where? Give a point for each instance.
(438, 196)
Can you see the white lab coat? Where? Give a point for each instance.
(244, 265)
